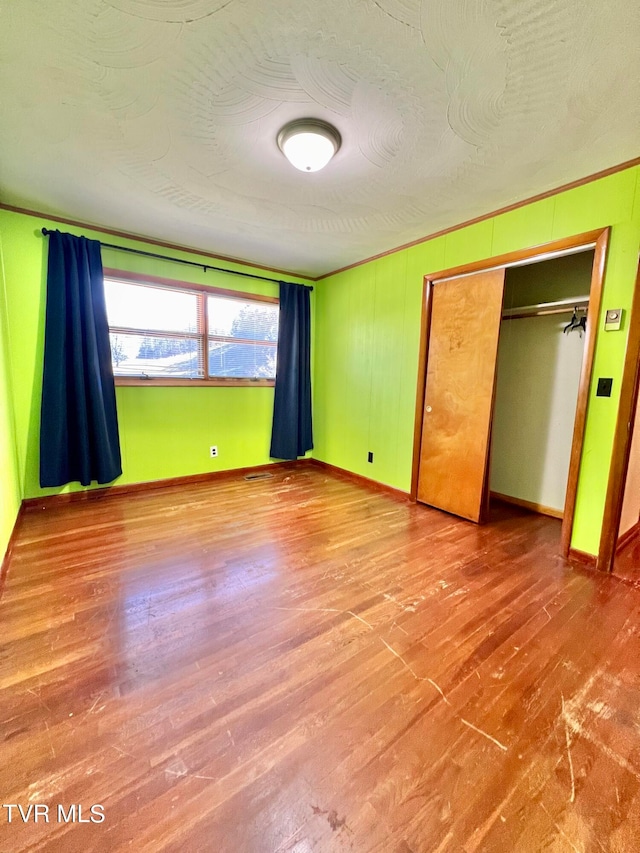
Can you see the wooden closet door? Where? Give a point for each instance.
(461, 369)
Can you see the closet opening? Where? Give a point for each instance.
(541, 350)
(505, 366)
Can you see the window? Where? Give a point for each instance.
(167, 333)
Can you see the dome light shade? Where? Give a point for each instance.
(309, 143)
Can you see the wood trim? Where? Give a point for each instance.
(139, 238)
(604, 173)
(425, 328)
(164, 382)
(627, 411)
(581, 557)
(593, 318)
(4, 566)
(398, 494)
(541, 509)
(104, 493)
(586, 239)
(181, 284)
(628, 536)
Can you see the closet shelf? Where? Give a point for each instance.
(563, 306)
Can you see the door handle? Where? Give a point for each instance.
(428, 409)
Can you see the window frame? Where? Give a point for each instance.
(202, 290)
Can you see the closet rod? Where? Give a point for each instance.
(542, 309)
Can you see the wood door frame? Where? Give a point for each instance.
(600, 241)
(627, 412)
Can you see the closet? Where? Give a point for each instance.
(506, 359)
(539, 363)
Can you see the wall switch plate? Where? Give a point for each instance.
(213, 451)
(613, 319)
(369, 456)
(604, 387)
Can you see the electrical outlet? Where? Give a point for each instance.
(369, 456)
(213, 450)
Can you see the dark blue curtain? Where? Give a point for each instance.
(292, 433)
(79, 423)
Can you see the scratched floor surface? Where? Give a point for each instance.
(301, 664)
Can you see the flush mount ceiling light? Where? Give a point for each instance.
(309, 143)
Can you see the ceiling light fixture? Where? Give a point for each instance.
(309, 143)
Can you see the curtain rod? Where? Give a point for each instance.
(205, 267)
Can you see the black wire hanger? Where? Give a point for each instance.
(579, 323)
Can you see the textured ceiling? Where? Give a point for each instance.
(159, 117)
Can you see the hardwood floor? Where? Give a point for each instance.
(626, 563)
(302, 664)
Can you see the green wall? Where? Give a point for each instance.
(366, 338)
(164, 432)
(10, 488)
(368, 331)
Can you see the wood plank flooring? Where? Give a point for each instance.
(626, 564)
(302, 664)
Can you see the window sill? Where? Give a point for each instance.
(221, 382)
